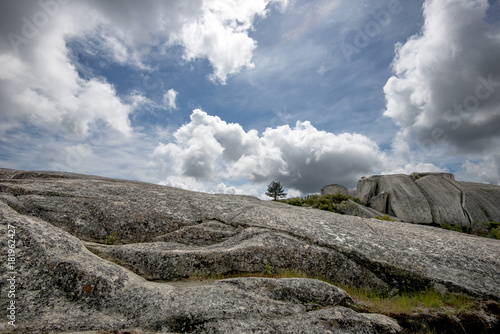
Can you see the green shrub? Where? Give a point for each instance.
(384, 217)
(450, 227)
(357, 200)
(495, 233)
(338, 203)
(294, 201)
(492, 225)
(110, 239)
(268, 269)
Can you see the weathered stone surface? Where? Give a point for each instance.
(334, 189)
(70, 280)
(432, 198)
(482, 202)
(447, 176)
(353, 193)
(445, 198)
(379, 202)
(406, 201)
(366, 189)
(367, 212)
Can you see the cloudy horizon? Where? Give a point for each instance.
(225, 96)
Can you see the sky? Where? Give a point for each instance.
(225, 96)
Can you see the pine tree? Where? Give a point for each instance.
(275, 190)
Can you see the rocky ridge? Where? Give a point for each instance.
(71, 280)
(431, 198)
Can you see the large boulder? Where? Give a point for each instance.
(379, 202)
(366, 189)
(426, 198)
(406, 201)
(482, 202)
(71, 276)
(445, 198)
(334, 189)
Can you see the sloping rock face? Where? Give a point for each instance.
(446, 199)
(481, 201)
(406, 201)
(427, 198)
(66, 278)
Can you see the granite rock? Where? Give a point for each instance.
(71, 280)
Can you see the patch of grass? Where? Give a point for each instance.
(408, 303)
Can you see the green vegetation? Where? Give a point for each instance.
(275, 190)
(406, 303)
(268, 269)
(357, 200)
(384, 217)
(450, 227)
(488, 230)
(495, 233)
(338, 203)
(110, 239)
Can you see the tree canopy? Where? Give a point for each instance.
(275, 190)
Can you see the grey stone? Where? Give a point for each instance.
(70, 280)
(482, 202)
(447, 176)
(366, 189)
(368, 212)
(379, 202)
(334, 189)
(406, 201)
(445, 198)
(353, 193)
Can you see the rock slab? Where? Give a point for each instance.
(431, 198)
(71, 280)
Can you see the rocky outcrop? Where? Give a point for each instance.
(68, 279)
(406, 201)
(445, 198)
(366, 189)
(379, 202)
(334, 189)
(481, 201)
(426, 198)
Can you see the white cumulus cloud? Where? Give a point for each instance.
(446, 83)
(300, 157)
(169, 99)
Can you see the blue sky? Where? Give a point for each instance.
(226, 96)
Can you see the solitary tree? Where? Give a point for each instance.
(275, 190)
